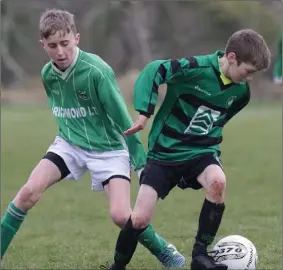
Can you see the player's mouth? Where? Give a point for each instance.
(61, 60)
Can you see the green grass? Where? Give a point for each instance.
(70, 227)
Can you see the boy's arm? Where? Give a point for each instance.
(113, 102)
(44, 76)
(146, 87)
(238, 106)
(152, 76)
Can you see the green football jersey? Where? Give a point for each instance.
(277, 68)
(199, 101)
(89, 107)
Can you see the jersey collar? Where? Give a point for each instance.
(223, 81)
(214, 59)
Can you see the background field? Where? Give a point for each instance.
(70, 228)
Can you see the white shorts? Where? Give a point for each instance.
(103, 166)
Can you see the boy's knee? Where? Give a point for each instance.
(139, 221)
(27, 197)
(119, 217)
(217, 188)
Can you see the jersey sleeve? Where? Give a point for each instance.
(238, 105)
(152, 76)
(44, 75)
(114, 104)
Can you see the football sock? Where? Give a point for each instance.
(126, 244)
(209, 222)
(152, 241)
(10, 224)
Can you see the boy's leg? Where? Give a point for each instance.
(214, 183)
(45, 174)
(160, 180)
(118, 192)
(137, 228)
(115, 168)
(62, 160)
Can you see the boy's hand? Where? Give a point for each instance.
(138, 125)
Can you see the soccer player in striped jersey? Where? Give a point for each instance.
(203, 93)
(91, 114)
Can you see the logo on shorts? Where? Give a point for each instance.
(83, 95)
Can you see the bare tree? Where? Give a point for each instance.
(140, 23)
(14, 70)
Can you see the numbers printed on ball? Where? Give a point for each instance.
(229, 250)
(236, 251)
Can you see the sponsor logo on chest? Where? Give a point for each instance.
(83, 95)
(72, 113)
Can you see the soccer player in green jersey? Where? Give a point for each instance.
(91, 115)
(203, 93)
(277, 68)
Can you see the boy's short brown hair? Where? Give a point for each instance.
(249, 47)
(53, 20)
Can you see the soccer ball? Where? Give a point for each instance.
(236, 251)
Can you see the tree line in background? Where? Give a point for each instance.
(128, 34)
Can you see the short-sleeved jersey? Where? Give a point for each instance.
(199, 101)
(89, 107)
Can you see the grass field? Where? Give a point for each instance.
(70, 228)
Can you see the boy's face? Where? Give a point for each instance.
(239, 73)
(60, 47)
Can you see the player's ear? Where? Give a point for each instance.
(41, 43)
(231, 57)
(77, 38)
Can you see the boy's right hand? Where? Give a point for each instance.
(138, 125)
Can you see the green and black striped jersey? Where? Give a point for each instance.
(199, 101)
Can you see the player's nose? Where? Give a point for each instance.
(60, 51)
(249, 78)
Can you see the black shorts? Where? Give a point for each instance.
(163, 178)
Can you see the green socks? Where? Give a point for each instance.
(152, 241)
(14, 217)
(128, 239)
(10, 224)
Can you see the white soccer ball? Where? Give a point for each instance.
(236, 251)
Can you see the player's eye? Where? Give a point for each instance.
(52, 45)
(250, 71)
(65, 43)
